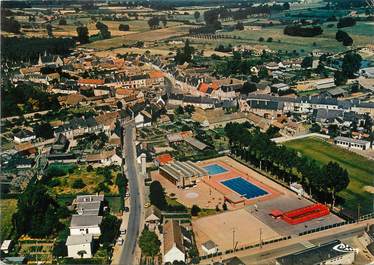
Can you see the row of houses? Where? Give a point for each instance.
(85, 226)
(261, 104)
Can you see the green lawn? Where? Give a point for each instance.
(7, 208)
(360, 169)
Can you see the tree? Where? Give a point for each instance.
(248, 87)
(286, 6)
(157, 195)
(62, 22)
(343, 37)
(184, 55)
(83, 36)
(263, 73)
(239, 26)
(179, 110)
(270, 39)
(104, 30)
(109, 229)
(336, 179)
(44, 130)
(189, 109)
(195, 210)
(149, 243)
(307, 62)
(49, 30)
(261, 39)
(340, 78)
(196, 15)
(81, 253)
(37, 212)
(346, 22)
(164, 21)
(224, 206)
(124, 27)
(10, 25)
(154, 22)
(351, 64)
(78, 184)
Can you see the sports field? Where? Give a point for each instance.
(360, 169)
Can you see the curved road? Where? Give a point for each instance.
(128, 250)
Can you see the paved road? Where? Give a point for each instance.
(129, 247)
(268, 257)
(268, 252)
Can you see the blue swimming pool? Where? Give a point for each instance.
(215, 169)
(244, 188)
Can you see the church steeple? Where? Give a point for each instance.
(40, 62)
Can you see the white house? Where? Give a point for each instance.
(6, 246)
(352, 143)
(173, 243)
(209, 247)
(24, 136)
(143, 119)
(85, 224)
(79, 246)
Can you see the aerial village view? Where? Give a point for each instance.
(220, 132)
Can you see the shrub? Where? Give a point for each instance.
(78, 184)
(195, 210)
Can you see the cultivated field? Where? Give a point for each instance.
(361, 170)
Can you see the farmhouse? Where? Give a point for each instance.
(352, 143)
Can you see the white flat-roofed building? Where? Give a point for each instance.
(79, 246)
(352, 143)
(210, 247)
(6, 245)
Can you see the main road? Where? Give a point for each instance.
(127, 255)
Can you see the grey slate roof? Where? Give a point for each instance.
(315, 255)
(78, 240)
(85, 220)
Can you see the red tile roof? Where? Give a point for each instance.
(164, 159)
(156, 74)
(91, 81)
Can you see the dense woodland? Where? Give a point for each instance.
(33, 47)
(26, 98)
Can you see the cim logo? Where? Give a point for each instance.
(343, 248)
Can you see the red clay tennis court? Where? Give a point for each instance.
(303, 214)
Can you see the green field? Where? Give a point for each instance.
(360, 169)
(7, 208)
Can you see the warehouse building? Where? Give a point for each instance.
(182, 174)
(333, 252)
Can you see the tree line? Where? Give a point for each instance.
(298, 30)
(321, 181)
(25, 98)
(32, 47)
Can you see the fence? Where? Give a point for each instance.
(229, 251)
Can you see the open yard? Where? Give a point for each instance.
(7, 208)
(360, 169)
(94, 181)
(238, 227)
